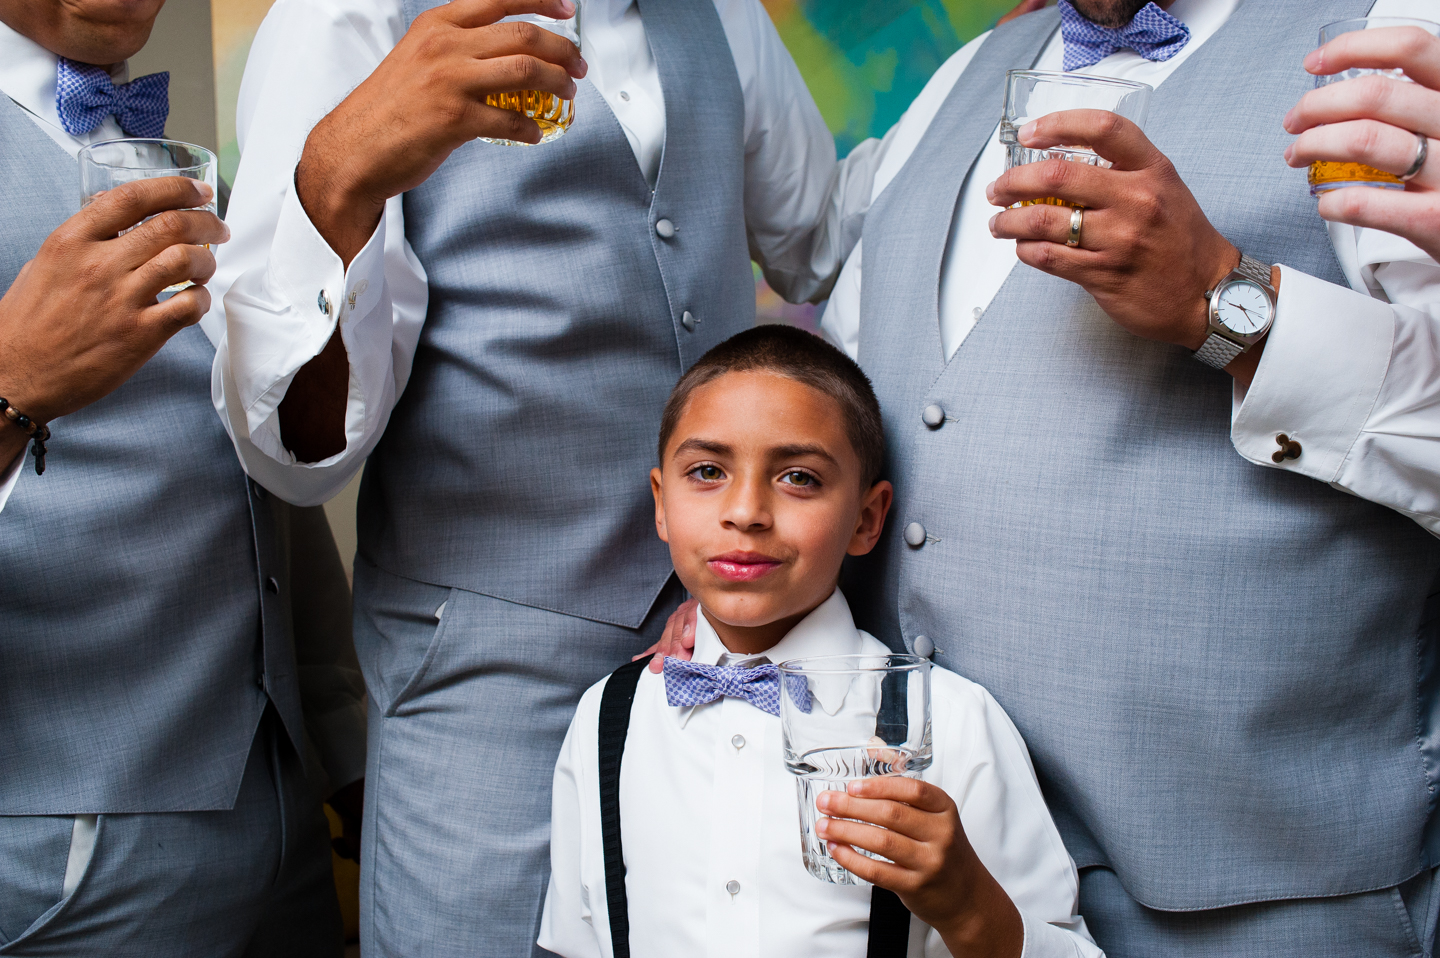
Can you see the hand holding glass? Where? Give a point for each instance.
(845, 717)
(1032, 94)
(552, 114)
(1326, 175)
(112, 163)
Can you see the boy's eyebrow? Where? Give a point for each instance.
(703, 445)
(803, 449)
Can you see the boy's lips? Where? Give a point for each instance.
(743, 566)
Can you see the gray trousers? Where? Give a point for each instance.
(467, 716)
(251, 882)
(1394, 922)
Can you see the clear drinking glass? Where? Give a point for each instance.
(1326, 175)
(844, 717)
(111, 163)
(551, 113)
(1031, 94)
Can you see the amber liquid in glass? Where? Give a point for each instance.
(1333, 175)
(553, 114)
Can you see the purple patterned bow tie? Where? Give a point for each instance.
(85, 95)
(691, 683)
(1153, 34)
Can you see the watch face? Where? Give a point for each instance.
(1243, 308)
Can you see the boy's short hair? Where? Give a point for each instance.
(805, 358)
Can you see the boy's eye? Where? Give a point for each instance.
(797, 478)
(708, 473)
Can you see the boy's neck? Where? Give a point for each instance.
(755, 639)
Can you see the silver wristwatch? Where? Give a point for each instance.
(1242, 307)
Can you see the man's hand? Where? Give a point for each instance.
(933, 868)
(1147, 253)
(81, 317)
(422, 102)
(678, 639)
(349, 805)
(1374, 120)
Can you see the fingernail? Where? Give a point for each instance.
(1289, 150)
(822, 827)
(227, 231)
(1288, 117)
(992, 223)
(206, 190)
(568, 7)
(823, 802)
(990, 190)
(1026, 131)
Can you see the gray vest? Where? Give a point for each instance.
(516, 462)
(1225, 673)
(139, 633)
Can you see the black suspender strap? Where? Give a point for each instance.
(889, 925)
(615, 704)
(889, 918)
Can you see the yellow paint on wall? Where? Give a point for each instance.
(232, 25)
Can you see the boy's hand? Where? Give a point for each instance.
(677, 640)
(935, 871)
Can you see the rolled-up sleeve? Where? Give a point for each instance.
(282, 290)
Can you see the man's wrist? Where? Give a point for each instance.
(342, 211)
(988, 926)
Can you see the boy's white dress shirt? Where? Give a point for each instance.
(1353, 374)
(706, 800)
(802, 211)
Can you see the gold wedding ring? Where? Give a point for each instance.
(1077, 219)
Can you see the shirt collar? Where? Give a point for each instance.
(829, 629)
(27, 76)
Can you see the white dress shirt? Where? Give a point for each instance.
(706, 800)
(1352, 374)
(27, 76)
(801, 207)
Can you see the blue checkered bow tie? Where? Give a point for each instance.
(1153, 34)
(691, 683)
(85, 95)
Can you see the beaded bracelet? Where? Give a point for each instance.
(39, 432)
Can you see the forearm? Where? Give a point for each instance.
(989, 927)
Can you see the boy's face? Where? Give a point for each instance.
(759, 496)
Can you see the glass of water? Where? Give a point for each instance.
(552, 114)
(844, 717)
(1326, 175)
(1031, 94)
(111, 163)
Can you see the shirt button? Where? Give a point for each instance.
(977, 312)
(732, 886)
(689, 321)
(923, 646)
(664, 228)
(915, 535)
(738, 741)
(260, 681)
(272, 586)
(625, 96)
(323, 302)
(933, 415)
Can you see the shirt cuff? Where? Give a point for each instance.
(279, 319)
(1046, 940)
(12, 476)
(1325, 360)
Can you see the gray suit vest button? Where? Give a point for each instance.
(665, 228)
(933, 416)
(689, 321)
(915, 535)
(272, 586)
(923, 646)
(260, 492)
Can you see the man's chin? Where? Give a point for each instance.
(1113, 14)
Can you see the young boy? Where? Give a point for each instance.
(770, 455)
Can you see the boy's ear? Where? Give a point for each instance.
(659, 504)
(874, 506)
